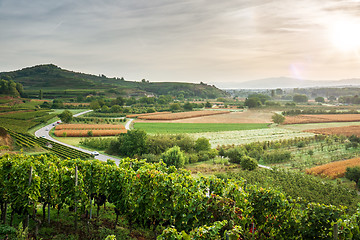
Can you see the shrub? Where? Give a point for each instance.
(192, 157)
(174, 157)
(202, 144)
(248, 163)
(235, 154)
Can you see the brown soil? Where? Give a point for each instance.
(346, 131)
(322, 118)
(250, 116)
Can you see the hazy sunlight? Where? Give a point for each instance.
(345, 35)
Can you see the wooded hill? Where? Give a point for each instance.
(56, 82)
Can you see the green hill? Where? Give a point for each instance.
(57, 82)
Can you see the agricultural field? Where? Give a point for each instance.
(248, 136)
(249, 116)
(346, 131)
(173, 128)
(321, 118)
(335, 169)
(88, 130)
(180, 115)
(146, 114)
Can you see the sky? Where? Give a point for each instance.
(188, 40)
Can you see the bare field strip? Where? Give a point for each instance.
(346, 131)
(88, 126)
(250, 116)
(182, 115)
(334, 169)
(322, 118)
(84, 133)
(146, 114)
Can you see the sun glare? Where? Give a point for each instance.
(345, 35)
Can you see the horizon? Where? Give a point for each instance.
(162, 41)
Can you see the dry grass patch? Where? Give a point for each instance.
(334, 169)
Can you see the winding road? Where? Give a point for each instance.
(44, 132)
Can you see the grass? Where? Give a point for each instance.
(155, 128)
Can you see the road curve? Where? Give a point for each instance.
(44, 132)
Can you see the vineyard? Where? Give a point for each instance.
(27, 141)
(334, 169)
(169, 200)
(180, 115)
(86, 130)
(22, 121)
(322, 118)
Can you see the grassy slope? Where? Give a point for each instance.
(63, 82)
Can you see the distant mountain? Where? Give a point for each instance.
(57, 82)
(284, 82)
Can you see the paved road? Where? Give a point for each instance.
(44, 132)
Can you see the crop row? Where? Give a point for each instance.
(182, 115)
(88, 126)
(25, 115)
(98, 120)
(88, 132)
(145, 114)
(24, 140)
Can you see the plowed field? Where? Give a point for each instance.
(346, 131)
(334, 169)
(322, 118)
(181, 115)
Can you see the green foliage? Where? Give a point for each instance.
(300, 98)
(66, 116)
(174, 157)
(202, 144)
(129, 144)
(299, 185)
(235, 154)
(278, 118)
(353, 174)
(319, 99)
(188, 106)
(97, 143)
(248, 163)
(252, 102)
(277, 156)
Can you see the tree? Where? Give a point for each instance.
(41, 94)
(202, 144)
(252, 102)
(175, 107)
(278, 118)
(131, 143)
(300, 98)
(94, 105)
(188, 106)
(174, 157)
(319, 99)
(353, 174)
(66, 116)
(235, 154)
(208, 104)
